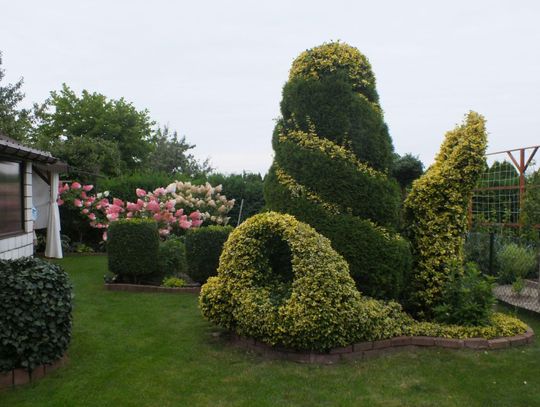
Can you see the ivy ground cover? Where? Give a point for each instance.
(156, 350)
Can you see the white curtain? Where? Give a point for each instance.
(41, 198)
(54, 244)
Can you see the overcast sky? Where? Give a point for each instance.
(214, 70)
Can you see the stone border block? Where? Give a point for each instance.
(423, 341)
(20, 376)
(518, 340)
(6, 380)
(362, 346)
(498, 343)
(449, 343)
(345, 349)
(368, 350)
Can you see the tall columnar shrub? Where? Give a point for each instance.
(332, 153)
(436, 212)
(132, 248)
(35, 313)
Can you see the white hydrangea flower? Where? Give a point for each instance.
(171, 188)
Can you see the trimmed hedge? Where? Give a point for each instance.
(35, 321)
(132, 248)
(338, 113)
(357, 240)
(281, 282)
(332, 152)
(203, 248)
(436, 212)
(332, 57)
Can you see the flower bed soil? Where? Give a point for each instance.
(366, 350)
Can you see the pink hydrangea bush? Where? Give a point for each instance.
(180, 205)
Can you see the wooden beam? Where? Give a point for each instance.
(41, 175)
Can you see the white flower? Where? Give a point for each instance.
(106, 194)
(99, 195)
(171, 188)
(219, 188)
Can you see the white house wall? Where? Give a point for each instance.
(21, 245)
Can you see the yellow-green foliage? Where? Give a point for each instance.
(501, 325)
(332, 153)
(436, 211)
(333, 57)
(301, 296)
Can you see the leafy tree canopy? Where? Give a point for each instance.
(15, 122)
(66, 116)
(406, 169)
(171, 155)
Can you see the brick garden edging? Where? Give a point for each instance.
(140, 288)
(21, 376)
(366, 350)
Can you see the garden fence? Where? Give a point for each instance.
(505, 226)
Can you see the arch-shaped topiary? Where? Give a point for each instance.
(281, 282)
(332, 154)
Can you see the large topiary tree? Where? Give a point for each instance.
(332, 153)
(436, 212)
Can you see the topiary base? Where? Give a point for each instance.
(370, 349)
(17, 377)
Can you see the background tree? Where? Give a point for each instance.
(15, 122)
(90, 157)
(170, 155)
(405, 169)
(66, 116)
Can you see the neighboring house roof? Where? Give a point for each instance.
(11, 147)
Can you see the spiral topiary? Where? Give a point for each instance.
(281, 282)
(332, 153)
(436, 212)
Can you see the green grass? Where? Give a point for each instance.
(143, 349)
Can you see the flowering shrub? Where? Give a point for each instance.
(180, 205)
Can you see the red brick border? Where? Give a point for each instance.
(139, 288)
(21, 376)
(366, 350)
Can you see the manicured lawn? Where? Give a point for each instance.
(156, 350)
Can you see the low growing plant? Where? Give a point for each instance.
(515, 262)
(173, 282)
(172, 257)
(467, 298)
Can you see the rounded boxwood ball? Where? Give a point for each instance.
(35, 316)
